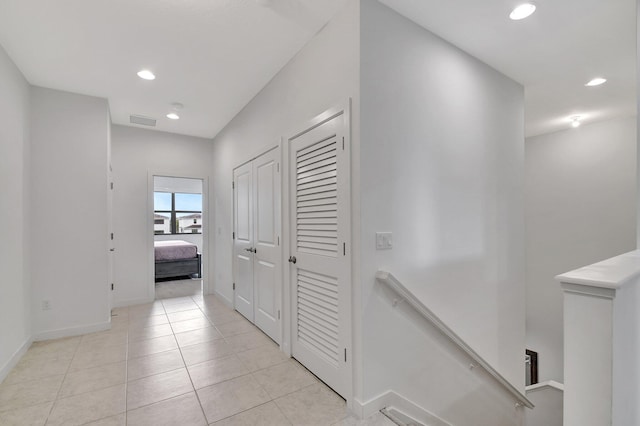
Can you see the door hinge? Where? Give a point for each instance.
(278, 167)
(112, 235)
(278, 314)
(343, 143)
(111, 185)
(344, 249)
(345, 354)
(278, 240)
(111, 286)
(233, 235)
(234, 286)
(233, 185)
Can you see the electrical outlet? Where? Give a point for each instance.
(46, 305)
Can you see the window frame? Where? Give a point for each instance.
(173, 214)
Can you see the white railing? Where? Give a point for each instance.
(602, 342)
(548, 397)
(406, 295)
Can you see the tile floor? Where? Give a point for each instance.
(178, 288)
(182, 361)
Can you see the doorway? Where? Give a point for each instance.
(256, 246)
(319, 247)
(178, 236)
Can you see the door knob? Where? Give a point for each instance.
(293, 259)
(250, 250)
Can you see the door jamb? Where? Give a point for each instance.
(206, 233)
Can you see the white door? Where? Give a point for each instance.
(243, 241)
(319, 235)
(267, 263)
(111, 244)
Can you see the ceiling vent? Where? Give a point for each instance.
(144, 121)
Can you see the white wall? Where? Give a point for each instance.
(322, 74)
(137, 155)
(69, 153)
(580, 209)
(442, 159)
(15, 321)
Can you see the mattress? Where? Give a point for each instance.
(175, 250)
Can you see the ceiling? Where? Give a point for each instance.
(214, 56)
(553, 53)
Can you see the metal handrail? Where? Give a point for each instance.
(392, 282)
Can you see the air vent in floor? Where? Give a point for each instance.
(399, 418)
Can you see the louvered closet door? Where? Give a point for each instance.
(243, 242)
(319, 215)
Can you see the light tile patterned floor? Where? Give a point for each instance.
(182, 361)
(178, 288)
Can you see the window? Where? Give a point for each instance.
(177, 213)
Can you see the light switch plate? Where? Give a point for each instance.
(384, 240)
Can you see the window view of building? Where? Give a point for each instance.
(177, 213)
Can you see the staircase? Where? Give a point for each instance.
(454, 386)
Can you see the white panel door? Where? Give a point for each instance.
(267, 276)
(320, 267)
(110, 239)
(243, 241)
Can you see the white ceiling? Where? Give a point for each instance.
(553, 53)
(215, 55)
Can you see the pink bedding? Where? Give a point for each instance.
(174, 250)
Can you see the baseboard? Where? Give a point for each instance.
(390, 399)
(226, 300)
(4, 371)
(72, 331)
(369, 408)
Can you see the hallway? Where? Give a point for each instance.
(187, 361)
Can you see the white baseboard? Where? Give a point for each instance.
(390, 399)
(226, 300)
(72, 331)
(6, 368)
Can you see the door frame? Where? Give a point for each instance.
(339, 108)
(206, 232)
(280, 228)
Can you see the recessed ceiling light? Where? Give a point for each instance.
(596, 82)
(523, 11)
(173, 116)
(575, 121)
(146, 75)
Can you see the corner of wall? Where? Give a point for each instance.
(14, 359)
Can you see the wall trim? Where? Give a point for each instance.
(72, 331)
(225, 299)
(15, 358)
(391, 399)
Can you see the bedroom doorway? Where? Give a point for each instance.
(178, 236)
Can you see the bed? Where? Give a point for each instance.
(177, 258)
